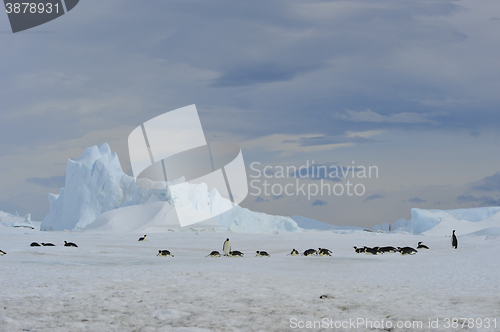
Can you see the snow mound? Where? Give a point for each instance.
(98, 195)
(9, 220)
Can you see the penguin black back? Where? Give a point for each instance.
(236, 253)
(34, 244)
(262, 254)
(214, 253)
(454, 240)
(310, 252)
(48, 244)
(294, 252)
(143, 238)
(70, 244)
(2, 253)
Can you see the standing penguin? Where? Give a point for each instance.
(454, 241)
(226, 247)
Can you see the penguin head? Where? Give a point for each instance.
(227, 239)
(419, 243)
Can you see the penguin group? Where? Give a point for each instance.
(382, 250)
(48, 244)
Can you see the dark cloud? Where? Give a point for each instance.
(417, 200)
(258, 74)
(482, 201)
(261, 200)
(490, 183)
(50, 182)
(374, 196)
(276, 197)
(318, 202)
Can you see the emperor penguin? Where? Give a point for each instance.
(359, 250)
(294, 252)
(236, 253)
(48, 244)
(262, 254)
(324, 252)
(70, 244)
(34, 244)
(226, 247)
(164, 253)
(142, 238)
(214, 253)
(310, 252)
(407, 251)
(422, 246)
(2, 253)
(454, 241)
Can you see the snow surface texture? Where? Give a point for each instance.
(111, 282)
(98, 195)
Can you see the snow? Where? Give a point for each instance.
(98, 195)
(112, 282)
(9, 220)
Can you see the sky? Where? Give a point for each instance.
(410, 87)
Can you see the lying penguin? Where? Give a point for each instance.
(262, 254)
(34, 244)
(143, 238)
(324, 252)
(294, 252)
(310, 252)
(48, 244)
(422, 246)
(359, 250)
(236, 253)
(2, 253)
(407, 251)
(164, 253)
(214, 253)
(70, 244)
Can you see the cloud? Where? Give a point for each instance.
(50, 182)
(490, 183)
(483, 200)
(276, 197)
(374, 196)
(261, 200)
(318, 202)
(370, 116)
(258, 74)
(417, 200)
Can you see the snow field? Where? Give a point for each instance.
(114, 283)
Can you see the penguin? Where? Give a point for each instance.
(407, 251)
(70, 244)
(262, 254)
(226, 247)
(359, 250)
(294, 252)
(324, 252)
(164, 253)
(370, 251)
(454, 241)
(34, 244)
(310, 252)
(387, 249)
(2, 253)
(48, 244)
(422, 246)
(214, 253)
(142, 238)
(235, 253)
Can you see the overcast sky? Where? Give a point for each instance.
(412, 87)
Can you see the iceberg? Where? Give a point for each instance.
(98, 195)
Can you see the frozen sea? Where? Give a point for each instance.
(112, 282)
